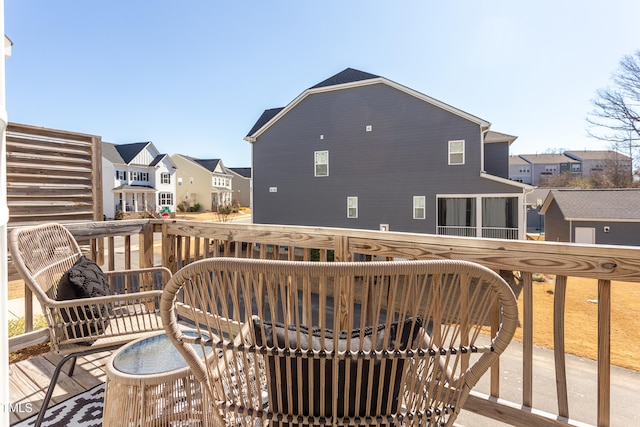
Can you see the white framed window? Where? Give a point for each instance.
(121, 175)
(165, 178)
(352, 207)
(165, 199)
(419, 208)
(139, 176)
(321, 163)
(456, 152)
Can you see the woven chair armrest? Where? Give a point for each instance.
(81, 302)
(138, 271)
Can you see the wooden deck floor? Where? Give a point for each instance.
(29, 379)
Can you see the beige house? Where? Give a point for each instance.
(202, 184)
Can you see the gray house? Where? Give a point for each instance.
(241, 185)
(545, 166)
(361, 151)
(610, 216)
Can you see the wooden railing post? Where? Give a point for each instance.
(527, 339)
(604, 353)
(558, 345)
(146, 246)
(168, 249)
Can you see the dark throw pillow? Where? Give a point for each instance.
(379, 383)
(85, 280)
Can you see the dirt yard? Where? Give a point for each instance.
(581, 319)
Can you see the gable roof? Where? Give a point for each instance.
(264, 118)
(348, 75)
(493, 136)
(125, 153)
(547, 158)
(596, 155)
(128, 152)
(244, 172)
(110, 153)
(515, 160)
(620, 204)
(345, 79)
(209, 164)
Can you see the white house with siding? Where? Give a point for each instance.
(136, 177)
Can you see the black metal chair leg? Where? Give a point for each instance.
(52, 385)
(56, 374)
(73, 366)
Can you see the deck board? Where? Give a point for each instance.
(29, 379)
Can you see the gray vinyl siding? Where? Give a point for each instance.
(496, 159)
(405, 155)
(556, 229)
(620, 233)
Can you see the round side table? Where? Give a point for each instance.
(149, 384)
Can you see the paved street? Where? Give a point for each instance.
(582, 388)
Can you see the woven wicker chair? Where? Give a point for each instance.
(42, 254)
(414, 338)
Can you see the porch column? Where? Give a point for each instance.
(4, 219)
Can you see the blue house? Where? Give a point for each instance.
(361, 151)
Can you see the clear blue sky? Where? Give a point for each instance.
(194, 76)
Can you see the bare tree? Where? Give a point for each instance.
(616, 114)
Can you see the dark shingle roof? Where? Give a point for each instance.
(157, 160)
(348, 75)
(245, 172)
(208, 164)
(130, 151)
(264, 118)
(609, 204)
(547, 158)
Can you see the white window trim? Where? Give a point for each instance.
(423, 207)
(349, 207)
(315, 162)
(456, 152)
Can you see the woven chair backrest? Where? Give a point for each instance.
(373, 343)
(42, 254)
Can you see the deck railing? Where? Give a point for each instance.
(488, 232)
(175, 243)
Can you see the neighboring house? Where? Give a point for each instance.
(598, 161)
(361, 151)
(610, 216)
(538, 168)
(520, 170)
(137, 178)
(241, 186)
(546, 166)
(203, 183)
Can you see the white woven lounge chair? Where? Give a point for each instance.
(360, 343)
(42, 254)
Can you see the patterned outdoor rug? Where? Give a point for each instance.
(83, 410)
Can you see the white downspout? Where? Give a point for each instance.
(4, 219)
